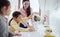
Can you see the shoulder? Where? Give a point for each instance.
(20, 9)
(1, 18)
(13, 22)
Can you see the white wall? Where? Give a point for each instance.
(14, 7)
(52, 9)
(34, 5)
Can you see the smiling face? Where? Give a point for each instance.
(5, 7)
(6, 10)
(26, 4)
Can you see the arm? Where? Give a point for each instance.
(17, 28)
(23, 20)
(31, 17)
(3, 25)
(28, 18)
(0, 21)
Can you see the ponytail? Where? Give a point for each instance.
(10, 21)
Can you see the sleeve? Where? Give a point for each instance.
(0, 21)
(16, 27)
(26, 18)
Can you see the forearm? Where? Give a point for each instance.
(24, 22)
(24, 29)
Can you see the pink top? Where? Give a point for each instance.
(22, 11)
(24, 14)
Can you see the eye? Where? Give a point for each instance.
(26, 3)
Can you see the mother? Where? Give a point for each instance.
(27, 14)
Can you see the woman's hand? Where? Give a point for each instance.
(30, 16)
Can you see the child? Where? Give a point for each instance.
(14, 23)
(4, 11)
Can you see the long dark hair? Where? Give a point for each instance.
(15, 14)
(28, 9)
(4, 3)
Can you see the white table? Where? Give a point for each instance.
(39, 31)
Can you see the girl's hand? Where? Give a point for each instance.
(31, 29)
(18, 35)
(25, 26)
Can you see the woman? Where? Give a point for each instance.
(14, 23)
(26, 13)
(4, 11)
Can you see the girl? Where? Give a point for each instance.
(14, 23)
(4, 11)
